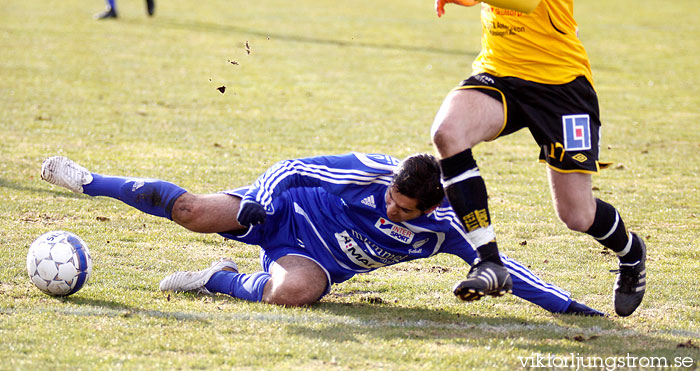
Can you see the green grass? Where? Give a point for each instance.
(139, 97)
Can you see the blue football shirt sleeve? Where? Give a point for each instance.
(333, 173)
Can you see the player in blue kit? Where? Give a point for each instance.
(319, 220)
(111, 9)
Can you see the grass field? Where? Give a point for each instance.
(138, 96)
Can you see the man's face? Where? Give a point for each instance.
(400, 208)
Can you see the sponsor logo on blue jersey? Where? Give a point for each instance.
(577, 132)
(354, 252)
(376, 252)
(394, 231)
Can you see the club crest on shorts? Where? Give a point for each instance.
(577, 132)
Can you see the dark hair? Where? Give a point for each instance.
(418, 177)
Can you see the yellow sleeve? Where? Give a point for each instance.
(525, 6)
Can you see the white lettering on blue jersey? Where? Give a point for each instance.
(354, 252)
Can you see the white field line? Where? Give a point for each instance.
(354, 322)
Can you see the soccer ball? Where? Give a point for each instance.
(59, 263)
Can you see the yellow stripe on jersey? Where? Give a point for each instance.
(541, 46)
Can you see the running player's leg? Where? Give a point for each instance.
(569, 137)
(150, 7)
(468, 117)
(573, 200)
(109, 12)
(580, 211)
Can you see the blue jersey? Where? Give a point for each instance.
(332, 209)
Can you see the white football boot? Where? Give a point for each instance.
(195, 281)
(64, 172)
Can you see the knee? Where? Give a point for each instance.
(442, 135)
(451, 137)
(576, 220)
(292, 294)
(186, 211)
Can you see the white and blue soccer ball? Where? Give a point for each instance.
(59, 263)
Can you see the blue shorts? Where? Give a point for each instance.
(277, 238)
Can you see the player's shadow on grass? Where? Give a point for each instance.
(589, 335)
(191, 25)
(356, 322)
(386, 312)
(56, 191)
(104, 308)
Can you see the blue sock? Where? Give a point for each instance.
(111, 4)
(152, 196)
(243, 286)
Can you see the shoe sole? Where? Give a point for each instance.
(474, 295)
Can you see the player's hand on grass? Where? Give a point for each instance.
(251, 213)
(440, 4)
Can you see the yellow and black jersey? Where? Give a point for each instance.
(541, 46)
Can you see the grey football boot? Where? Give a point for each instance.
(194, 281)
(64, 172)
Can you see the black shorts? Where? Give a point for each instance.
(563, 119)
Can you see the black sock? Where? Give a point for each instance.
(489, 253)
(609, 229)
(466, 191)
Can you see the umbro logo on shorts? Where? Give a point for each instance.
(580, 157)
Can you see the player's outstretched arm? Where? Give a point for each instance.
(440, 4)
(532, 288)
(525, 6)
(526, 284)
